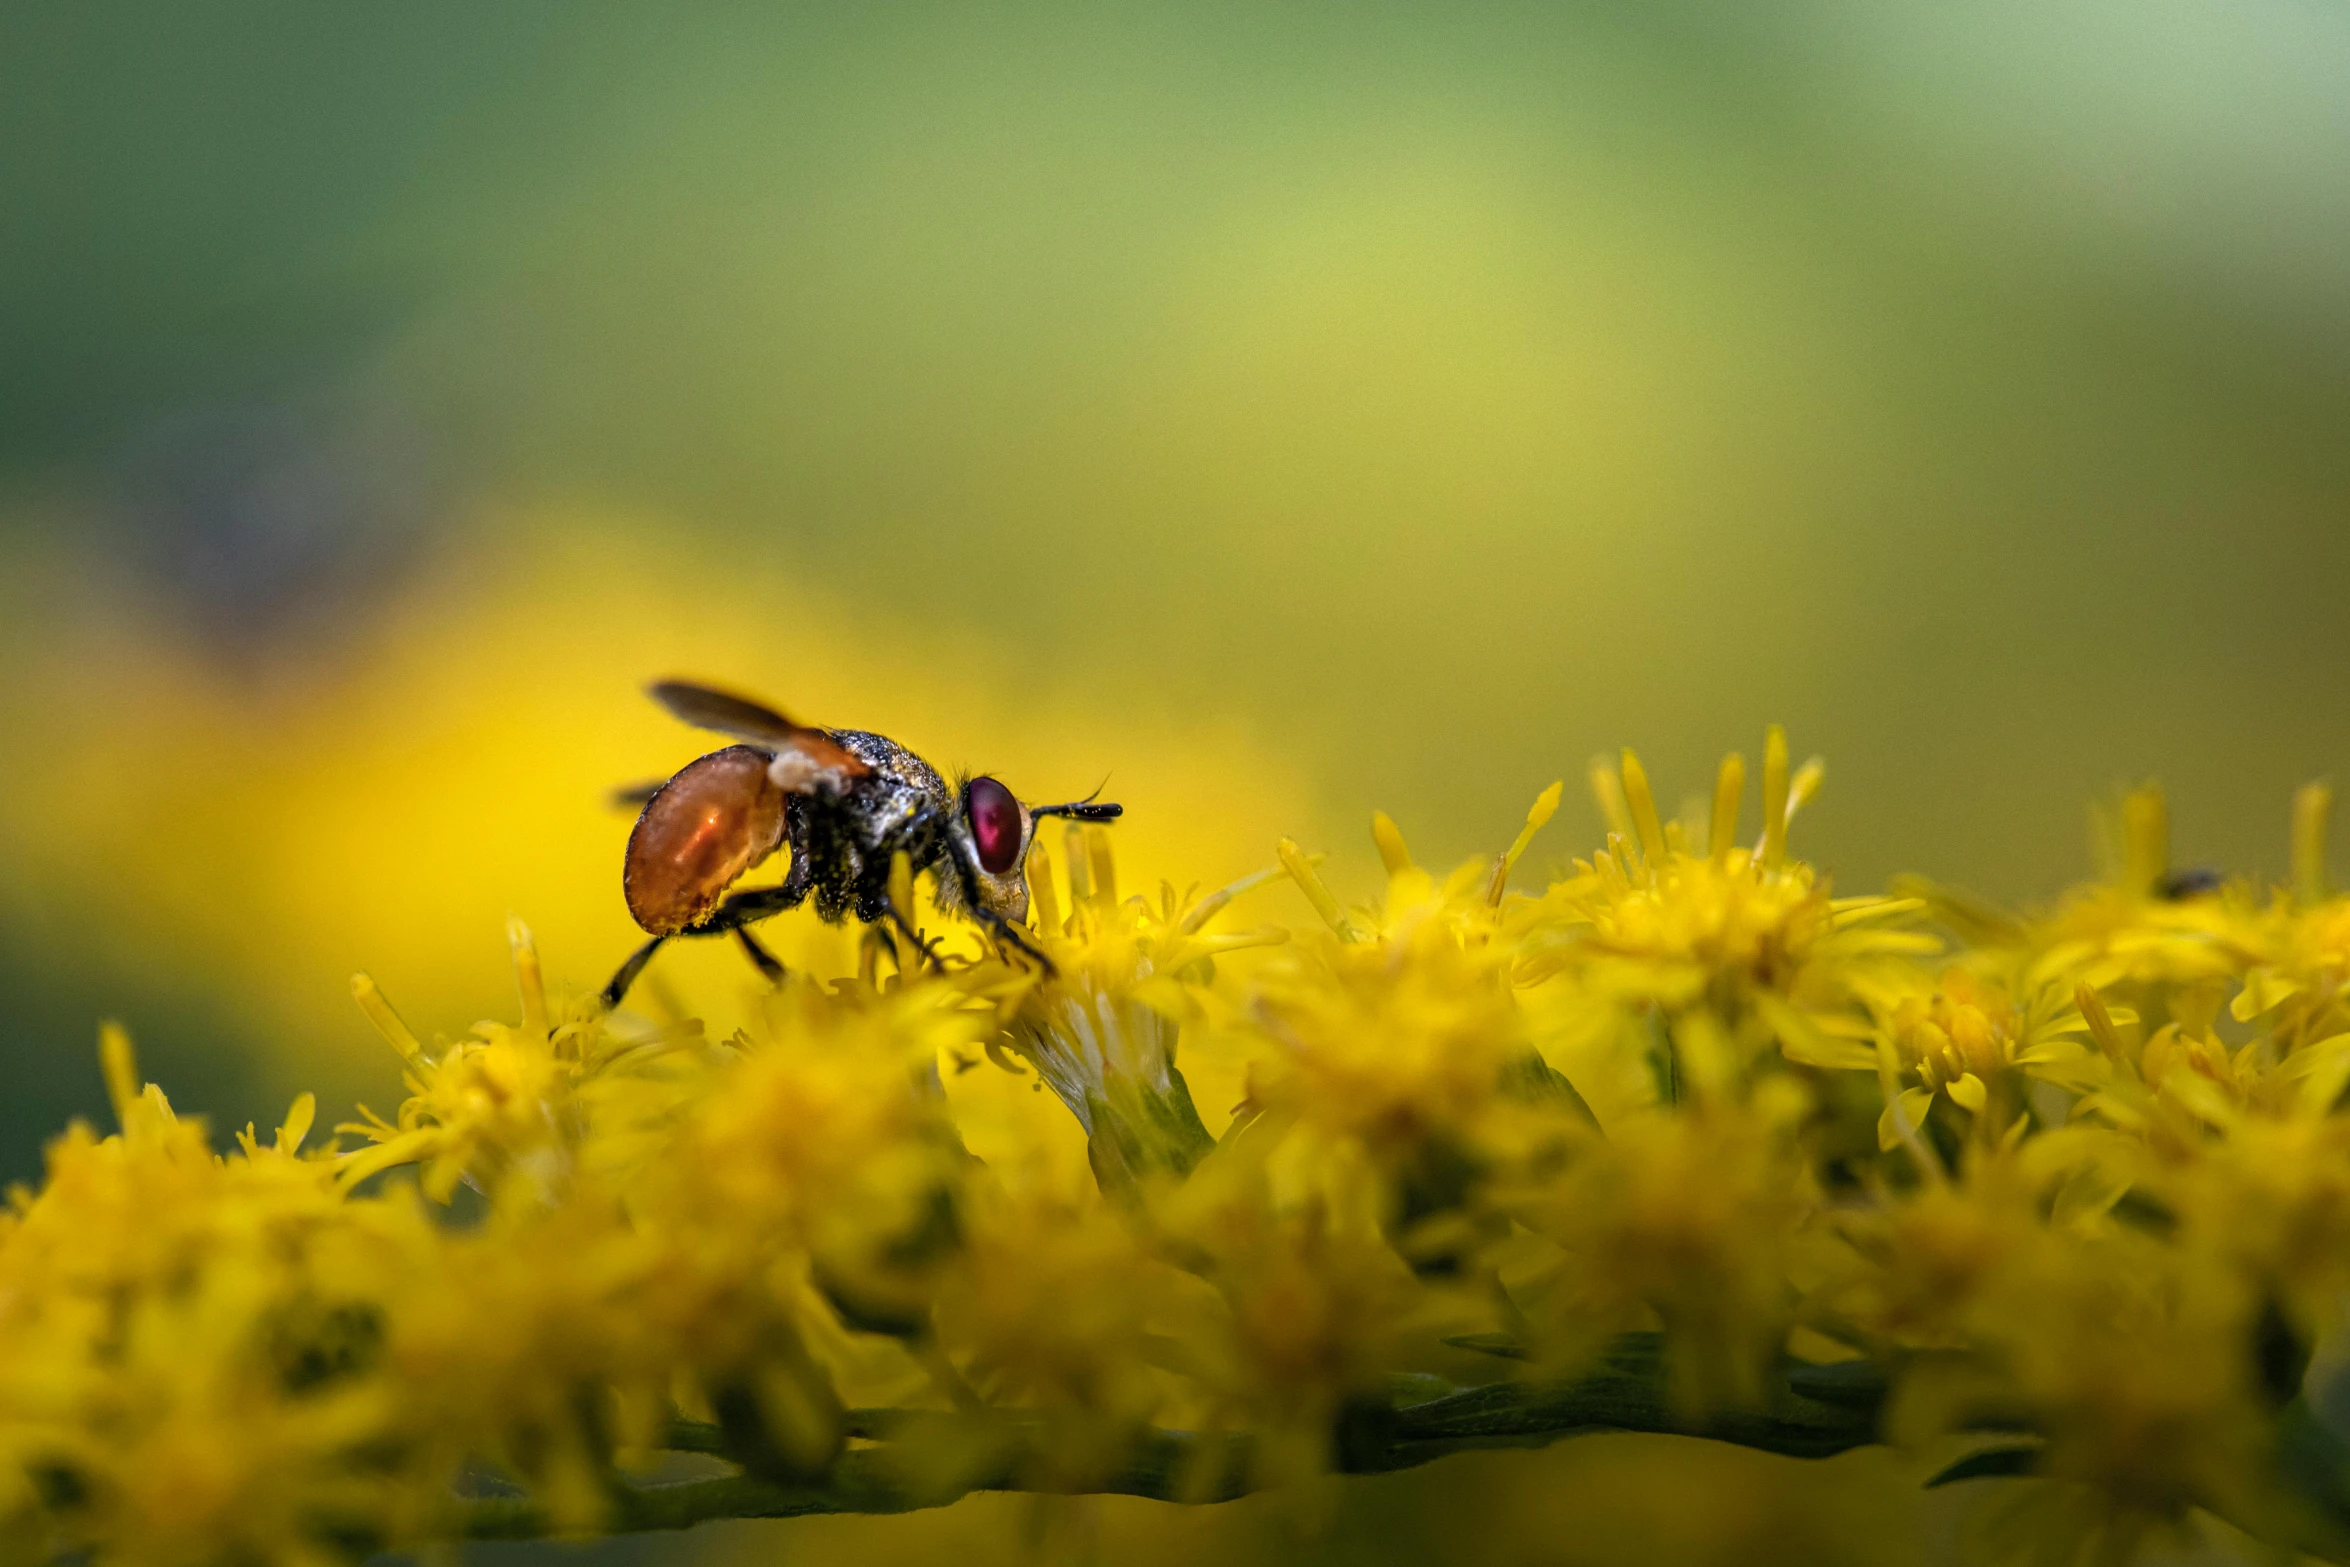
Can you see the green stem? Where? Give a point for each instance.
(1626, 1394)
(1816, 1412)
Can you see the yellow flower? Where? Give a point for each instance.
(1317, 1306)
(1966, 1038)
(2271, 1203)
(1709, 962)
(1391, 1040)
(1057, 1307)
(2146, 934)
(1101, 1026)
(1691, 1223)
(184, 1342)
(581, 1241)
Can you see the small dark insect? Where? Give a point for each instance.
(846, 802)
(2194, 881)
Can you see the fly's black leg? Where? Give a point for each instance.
(767, 962)
(737, 912)
(918, 836)
(728, 918)
(1005, 931)
(630, 970)
(1012, 935)
(926, 948)
(743, 907)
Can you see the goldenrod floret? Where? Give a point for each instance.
(2109, 939)
(1708, 962)
(1685, 1221)
(1056, 1307)
(1776, 799)
(2146, 938)
(1666, 935)
(1691, 918)
(1102, 1027)
(1729, 785)
(2313, 810)
(2273, 1202)
(1963, 1035)
(1316, 1305)
(1386, 1041)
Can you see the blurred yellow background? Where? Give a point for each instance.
(1283, 413)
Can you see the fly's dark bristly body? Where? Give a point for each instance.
(846, 802)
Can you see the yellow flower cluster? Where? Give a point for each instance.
(1675, 1140)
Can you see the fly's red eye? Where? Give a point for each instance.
(995, 824)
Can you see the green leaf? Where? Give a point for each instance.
(1501, 1344)
(1850, 1384)
(1992, 1463)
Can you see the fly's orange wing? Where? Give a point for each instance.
(808, 759)
(698, 835)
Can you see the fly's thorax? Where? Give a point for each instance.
(899, 787)
(901, 805)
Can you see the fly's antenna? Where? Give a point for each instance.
(1083, 810)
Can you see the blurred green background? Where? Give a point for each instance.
(1284, 411)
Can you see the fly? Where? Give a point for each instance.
(846, 802)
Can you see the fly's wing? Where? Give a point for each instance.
(708, 708)
(696, 837)
(806, 759)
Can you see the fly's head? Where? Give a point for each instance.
(996, 829)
